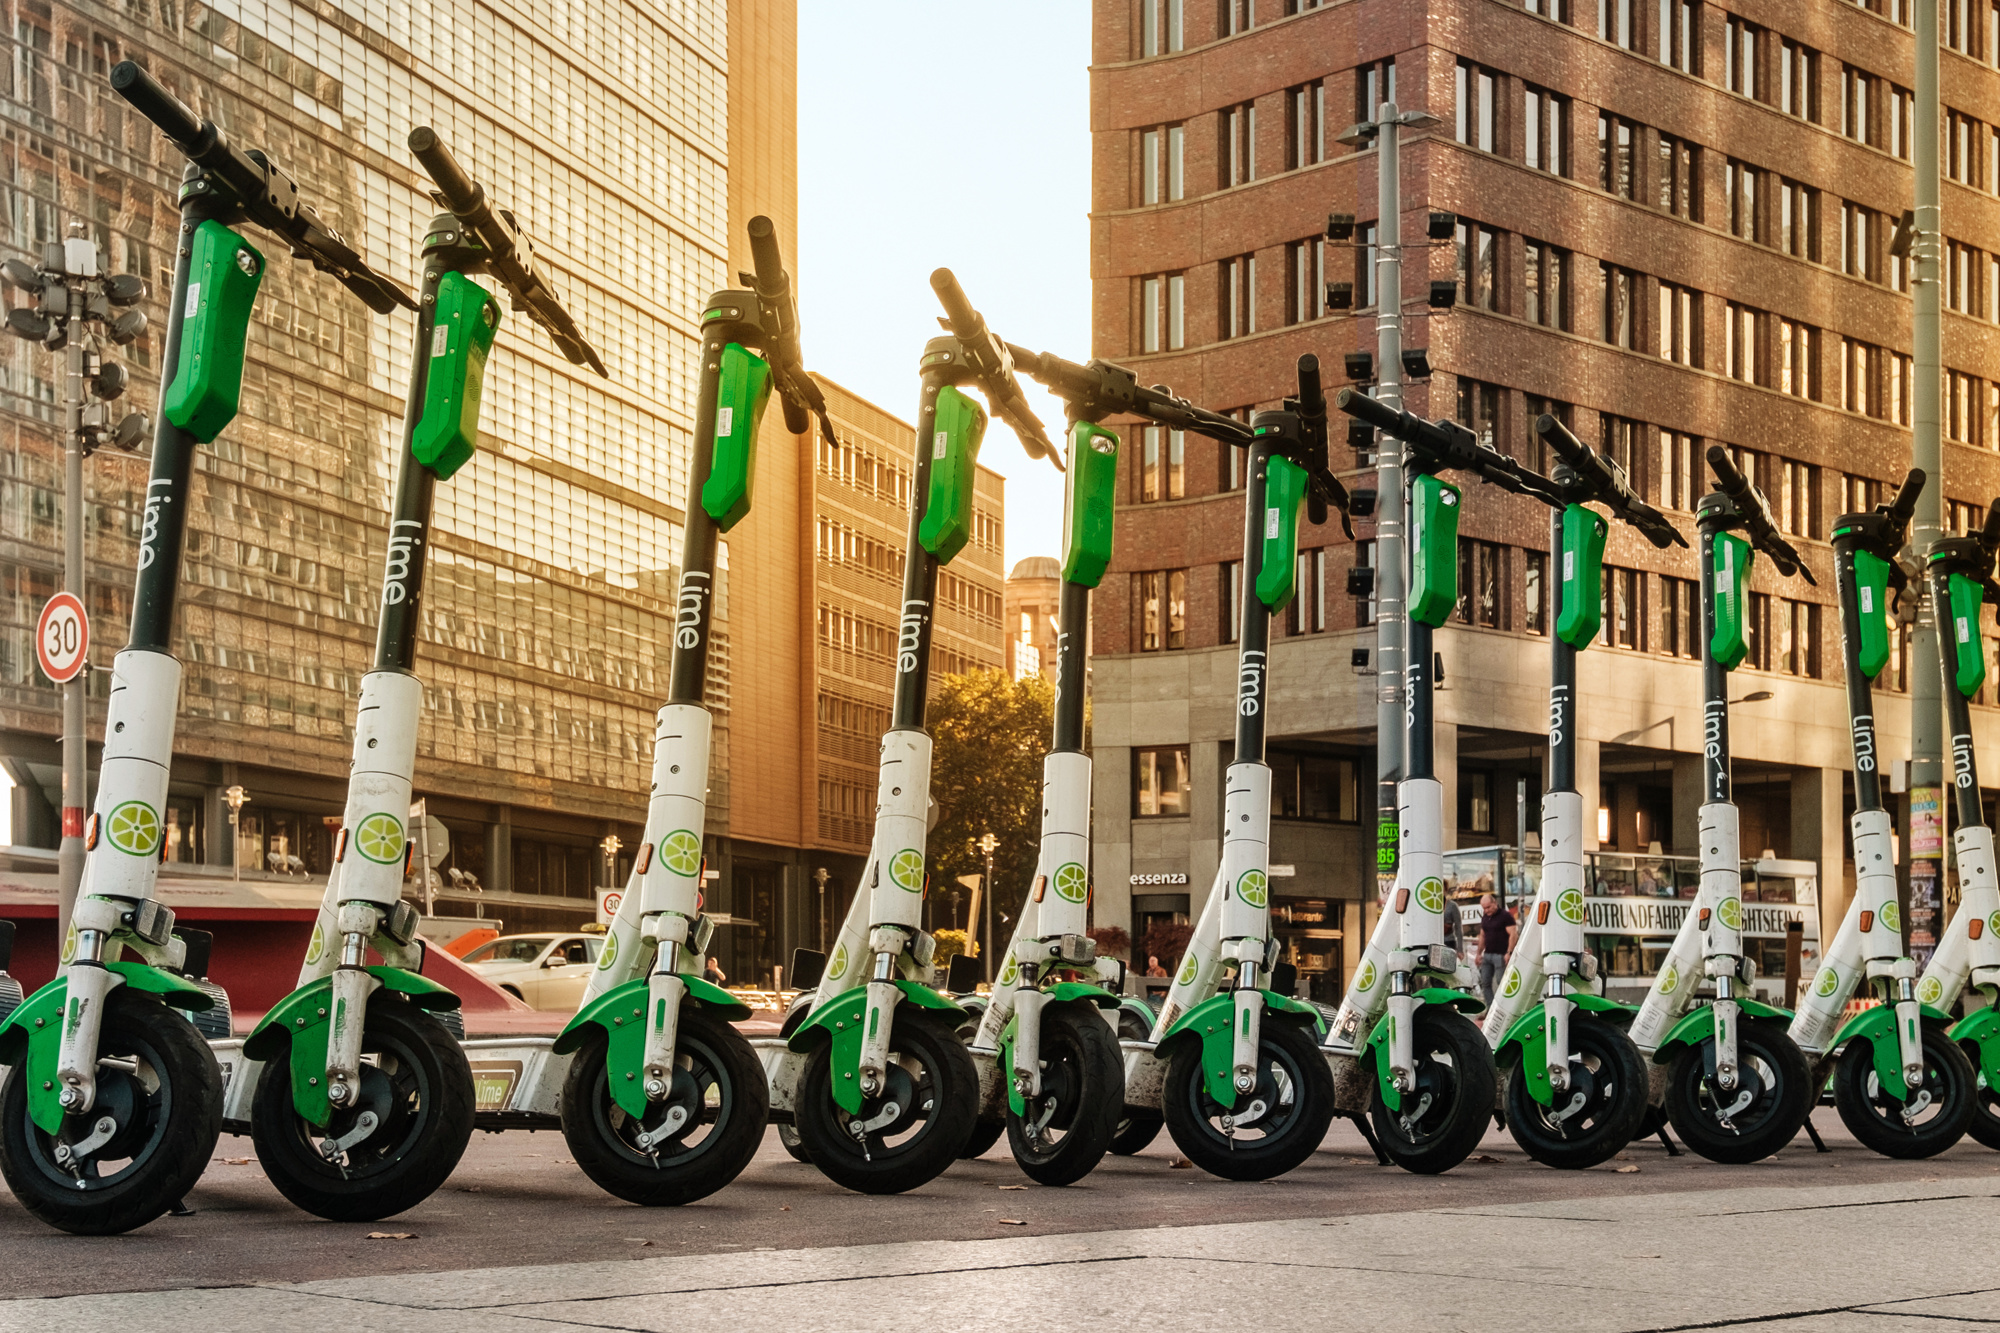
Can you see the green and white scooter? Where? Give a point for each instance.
(115, 1102)
(1968, 952)
(1058, 1076)
(1232, 1066)
(365, 1101)
(1403, 1023)
(1575, 1088)
(1738, 1088)
(1901, 1084)
(664, 1101)
(881, 1092)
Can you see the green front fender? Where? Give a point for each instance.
(621, 1012)
(1378, 1037)
(840, 1021)
(32, 1035)
(1982, 1027)
(304, 1021)
(1698, 1025)
(1063, 992)
(1528, 1041)
(1213, 1023)
(1877, 1026)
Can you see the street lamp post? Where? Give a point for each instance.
(236, 798)
(987, 844)
(610, 847)
(820, 877)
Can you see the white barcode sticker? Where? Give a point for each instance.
(1569, 565)
(194, 300)
(1964, 630)
(440, 340)
(1867, 599)
(1270, 524)
(725, 420)
(940, 443)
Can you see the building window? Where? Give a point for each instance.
(1373, 85)
(1902, 116)
(1798, 80)
(1364, 265)
(1861, 366)
(1680, 324)
(1546, 117)
(1860, 242)
(1962, 136)
(1798, 220)
(1479, 583)
(1798, 638)
(1859, 495)
(1739, 57)
(1537, 408)
(1534, 591)
(1305, 125)
(1740, 183)
(1547, 283)
(1624, 618)
(1162, 26)
(1739, 330)
(1162, 463)
(1160, 599)
(1619, 441)
(1680, 178)
(1478, 253)
(1236, 286)
(1479, 410)
(1798, 499)
(1238, 16)
(1307, 612)
(1756, 631)
(1160, 782)
(1236, 154)
(1161, 154)
(1680, 35)
(1305, 280)
(1307, 784)
(1364, 607)
(1549, 9)
(1678, 452)
(1615, 139)
(1619, 316)
(1475, 106)
(1229, 599)
(1680, 617)
(1163, 312)
(1857, 89)
(1898, 366)
(1614, 22)
(1962, 519)
(1798, 359)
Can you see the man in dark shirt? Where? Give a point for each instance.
(1497, 933)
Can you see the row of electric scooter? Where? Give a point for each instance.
(360, 1098)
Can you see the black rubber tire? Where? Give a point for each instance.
(937, 1075)
(168, 1130)
(788, 1135)
(418, 1083)
(1985, 1124)
(717, 1071)
(1785, 1097)
(1294, 1081)
(1084, 1078)
(1876, 1119)
(985, 1133)
(1611, 1074)
(1455, 1067)
(1136, 1131)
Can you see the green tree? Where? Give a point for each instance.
(990, 734)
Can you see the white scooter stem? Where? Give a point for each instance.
(1969, 950)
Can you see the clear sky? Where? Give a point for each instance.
(939, 133)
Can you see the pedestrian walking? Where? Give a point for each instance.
(1497, 933)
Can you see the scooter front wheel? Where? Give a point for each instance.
(416, 1082)
(1068, 1129)
(1446, 1112)
(1985, 1125)
(158, 1083)
(1597, 1115)
(1774, 1093)
(1890, 1125)
(933, 1087)
(718, 1084)
(1294, 1091)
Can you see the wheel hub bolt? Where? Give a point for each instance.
(655, 1088)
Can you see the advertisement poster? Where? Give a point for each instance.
(1926, 871)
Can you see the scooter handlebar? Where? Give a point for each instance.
(1989, 531)
(1904, 506)
(965, 321)
(151, 99)
(1755, 514)
(1607, 484)
(461, 193)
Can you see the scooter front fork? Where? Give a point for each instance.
(352, 986)
(90, 981)
(665, 989)
(1402, 1019)
(1556, 1009)
(1909, 1023)
(1247, 1019)
(883, 996)
(1028, 1003)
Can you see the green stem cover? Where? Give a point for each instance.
(1278, 572)
(224, 272)
(742, 392)
(1582, 576)
(462, 334)
(1871, 600)
(1093, 485)
(1966, 598)
(1434, 510)
(1728, 645)
(959, 425)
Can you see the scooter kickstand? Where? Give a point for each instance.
(1668, 1143)
(1368, 1133)
(1819, 1144)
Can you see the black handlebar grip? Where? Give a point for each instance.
(964, 319)
(155, 103)
(1357, 404)
(1311, 397)
(1905, 503)
(1561, 439)
(1989, 532)
(764, 256)
(460, 193)
(1733, 483)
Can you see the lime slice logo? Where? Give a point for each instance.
(610, 954)
(838, 967)
(1569, 906)
(1993, 923)
(1669, 979)
(69, 946)
(380, 837)
(906, 870)
(1430, 895)
(1931, 991)
(1010, 972)
(134, 829)
(1512, 985)
(1253, 888)
(1188, 970)
(1366, 981)
(316, 949)
(1072, 883)
(680, 852)
(1730, 913)
(1892, 919)
(1828, 983)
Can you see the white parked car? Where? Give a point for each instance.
(548, 971)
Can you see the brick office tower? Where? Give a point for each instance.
(1671, 227)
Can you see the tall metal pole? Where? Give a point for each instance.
(1389, 590)
(79, 262)
(1926, 452)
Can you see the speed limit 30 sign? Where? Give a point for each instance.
(62, 638)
